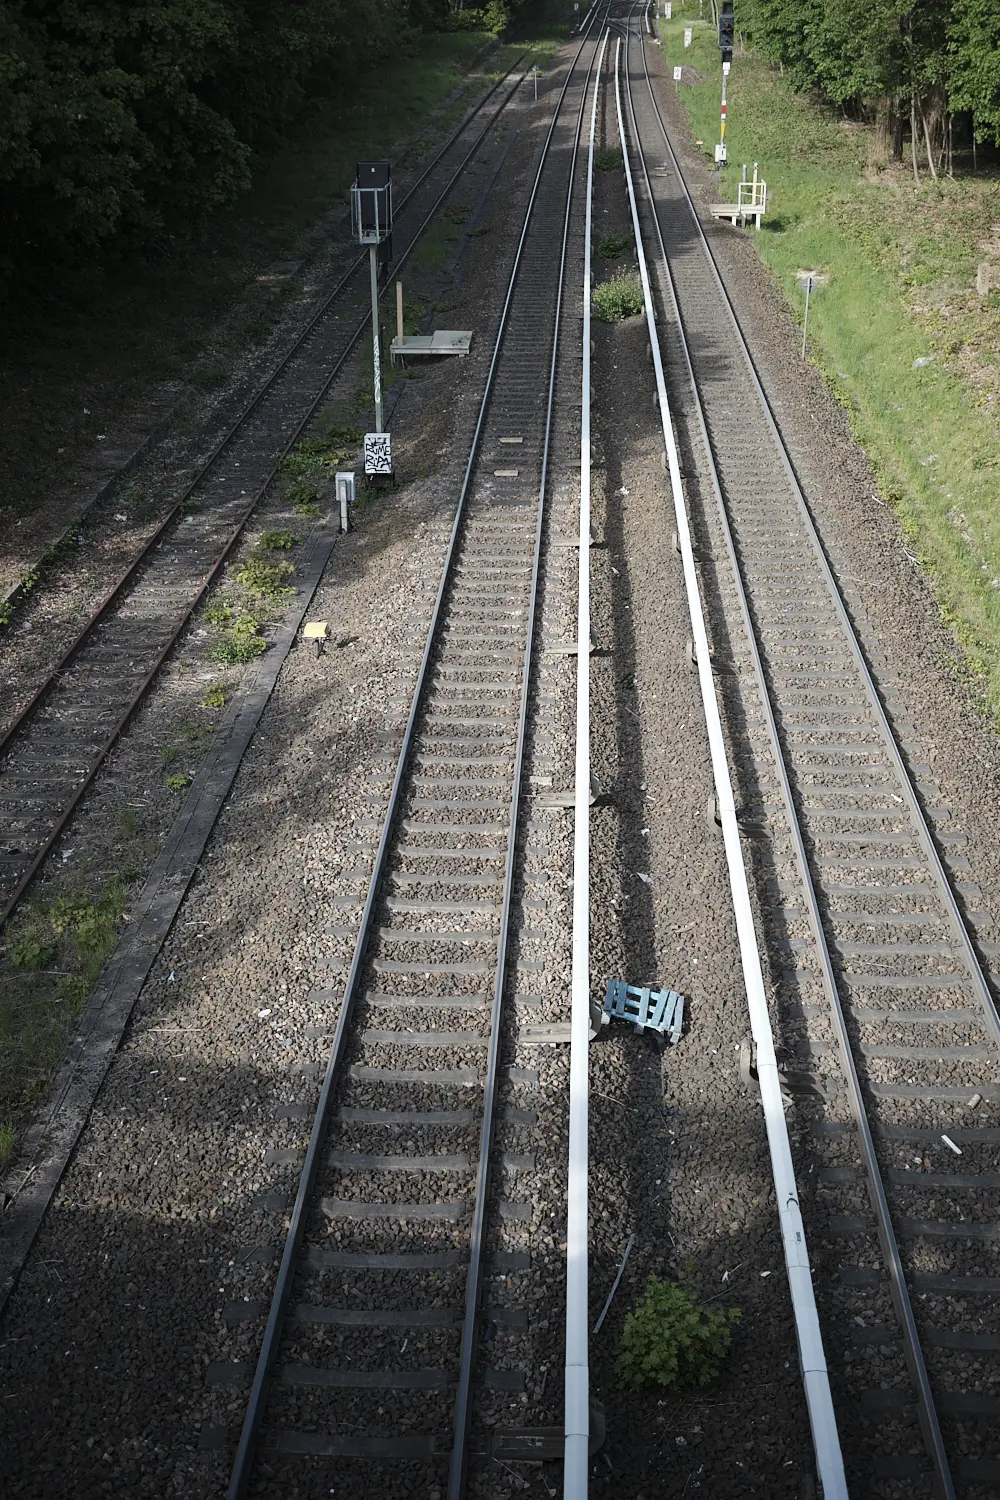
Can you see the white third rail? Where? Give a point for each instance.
(826, 1439)
(577, 1462)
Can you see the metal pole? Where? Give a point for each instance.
(534, 75)
(376, 350)
(722, 134)
(805, 324)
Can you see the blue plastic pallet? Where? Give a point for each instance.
(646, 1009)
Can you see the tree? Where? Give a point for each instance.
(972, 65)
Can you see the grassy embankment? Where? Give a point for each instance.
(901, 261)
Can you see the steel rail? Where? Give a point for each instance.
(106, 605)
(577, 1364)
(456, 1480)
(812, 1357)
(916, 1364)
(256, 1404)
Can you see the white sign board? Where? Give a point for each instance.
(668, 9)
(677, 74)
(687, 36)
(378, 453)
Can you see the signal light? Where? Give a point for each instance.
(727, 28)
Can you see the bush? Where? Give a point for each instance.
(241, 643)
(28, 952)
(122, 124)
(496, 17)
(612, 245)
(671, 1340)
(265, 579)
(465, 20)
(621, 297)
(279, 541)
(217, 696)
(607, 160)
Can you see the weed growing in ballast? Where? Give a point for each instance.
(621, 297)
(672, 1340)
(612, 245)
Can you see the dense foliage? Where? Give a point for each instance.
(906, 64)
(124, 122)
(673, 1340)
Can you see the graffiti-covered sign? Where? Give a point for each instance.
(378, 453)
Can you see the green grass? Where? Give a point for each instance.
(240, 642)
(264, 579)
(217, 696)
(901, 262)
(279, 541)
(51, 955)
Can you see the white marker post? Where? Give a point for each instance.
(376, 339)
(687, 36)
(810, 281)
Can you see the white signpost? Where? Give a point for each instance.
(677, 74)
(668, 10)
(687, 36)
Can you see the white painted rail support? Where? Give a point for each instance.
(576, 1465)
(816, 1381)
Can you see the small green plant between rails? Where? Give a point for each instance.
(611, 246)
(672, 1340)
(904, 343)
(619, 297)
(608, 159)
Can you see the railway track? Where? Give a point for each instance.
(873, 940)
(55, 744)
(370, 1363)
